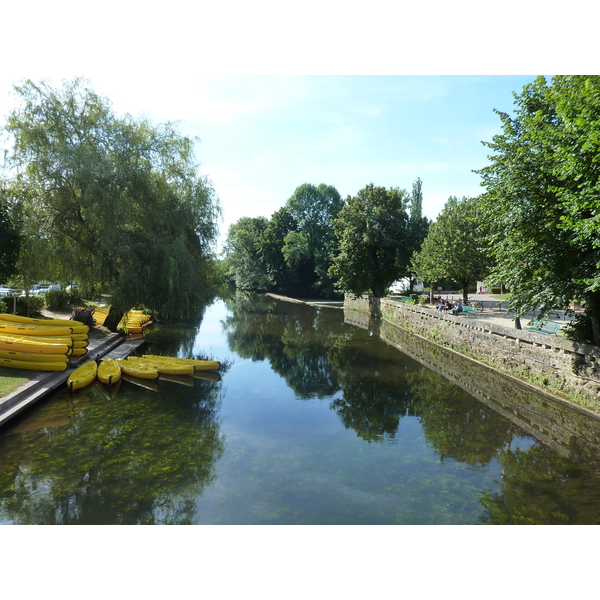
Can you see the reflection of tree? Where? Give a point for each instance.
(293, 338)
(375, 396)
(136, 458)
(457, 425)
(540, 487)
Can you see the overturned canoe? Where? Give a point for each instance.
(28, 365)
(44, 322)
(33, 357)
(8, 342)
(19, 329)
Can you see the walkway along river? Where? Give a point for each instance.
(322, 416)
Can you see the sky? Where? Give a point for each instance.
(278, 99)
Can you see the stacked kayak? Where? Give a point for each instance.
(133, 321)
(40, 344)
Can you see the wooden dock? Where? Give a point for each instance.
(106, 346)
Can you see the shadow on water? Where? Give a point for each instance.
(327, 417)
(118, 456)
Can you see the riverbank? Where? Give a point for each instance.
(568, 370)
(562, 369)
(102, 344)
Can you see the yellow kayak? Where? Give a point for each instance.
(77, 340)
(26, 345)
(109, 371)
(38, 330)
(33, 357)
(29, 365)
(82, 376)
(164, 366)
(199, 365)
(44, 322)
(139, 370)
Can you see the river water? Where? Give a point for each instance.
(316, 417)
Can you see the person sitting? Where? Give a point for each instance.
(457, 308)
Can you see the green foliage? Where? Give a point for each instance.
(114, 203)
(9, 241)
(25, 308)
(291, 252)
(455, 246)
(313, 209)
(373, 239)
(57, 299)
(542, 200)
(243, 262)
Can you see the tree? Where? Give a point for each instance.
(314, 208)
(9, 243)
(117, 202)
(542, 198)
(455, 246)
(242, 254)
(283, 277)
(418, 224)
(373, 240)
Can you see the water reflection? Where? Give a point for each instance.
(327, 417)
(130, 458)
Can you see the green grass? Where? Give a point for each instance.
(11, 380)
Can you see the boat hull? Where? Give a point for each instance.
(109, 371)
(82, 376)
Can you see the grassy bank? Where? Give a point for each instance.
(12, 379)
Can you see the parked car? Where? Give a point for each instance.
(4, 291)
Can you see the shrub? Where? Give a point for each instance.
(36, 303)
(57, 299)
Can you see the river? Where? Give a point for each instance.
(315, 418)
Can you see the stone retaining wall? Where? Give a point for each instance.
(568, 369)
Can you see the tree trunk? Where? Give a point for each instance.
(592, 309)
(431, 300)
(465, 290)
(113, 319)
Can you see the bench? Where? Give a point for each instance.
(468, 311)
(547, 328)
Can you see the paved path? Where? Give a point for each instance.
(496, 311)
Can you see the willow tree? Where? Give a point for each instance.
(117, 202)
(9, 242)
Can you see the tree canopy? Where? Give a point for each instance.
(542, 199)
(243, 262)
(117, 203)
(9, 244)
(455, 246)
(293, 250)
(374, 242)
